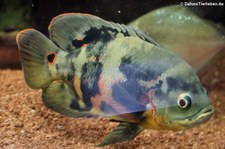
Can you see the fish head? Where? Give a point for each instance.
(187, 103)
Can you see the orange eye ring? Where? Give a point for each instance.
(51, 57)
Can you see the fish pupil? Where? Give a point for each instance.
(51, 57)
(182, 103)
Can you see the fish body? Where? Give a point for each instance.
(94, 68)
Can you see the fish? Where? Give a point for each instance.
(177, 28)
(90, 67)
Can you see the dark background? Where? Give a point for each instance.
(40, 12)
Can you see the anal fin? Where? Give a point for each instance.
(59, 97)
(123, 132)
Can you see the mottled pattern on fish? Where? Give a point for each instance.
(93, 68)
(98, 49)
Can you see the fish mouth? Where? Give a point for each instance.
(200, 117)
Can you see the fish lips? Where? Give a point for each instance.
(200, 117)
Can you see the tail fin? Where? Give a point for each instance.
(38, 54)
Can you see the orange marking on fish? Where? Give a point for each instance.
(106, 95)
(76, 83)
(150, 95)
(84, 45)
(96, 103)
(149, 122)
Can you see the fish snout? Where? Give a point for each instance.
(204, 115)
(199, 118)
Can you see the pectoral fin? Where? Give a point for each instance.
(123, 132)
(59, 97)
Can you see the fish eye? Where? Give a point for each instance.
(184, 101)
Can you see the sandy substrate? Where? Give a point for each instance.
(26, 123)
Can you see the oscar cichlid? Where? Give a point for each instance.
(94, 68)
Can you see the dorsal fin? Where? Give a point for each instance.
(73, 30)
